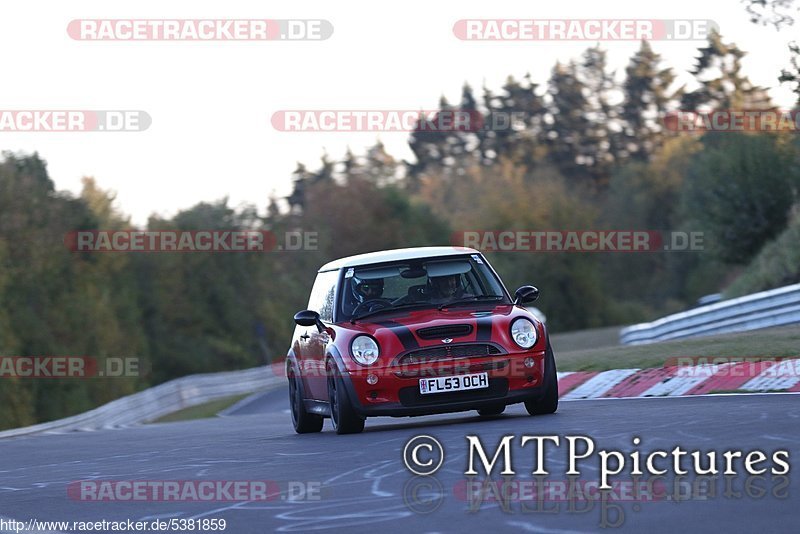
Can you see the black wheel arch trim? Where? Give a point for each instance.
(291, 361)
(549, 359)
(334, 354)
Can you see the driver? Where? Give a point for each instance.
(368, 289)
(447, 287)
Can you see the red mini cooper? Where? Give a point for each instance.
(416, 331)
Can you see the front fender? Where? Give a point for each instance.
(333, 353)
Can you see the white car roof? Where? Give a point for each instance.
(396, 255)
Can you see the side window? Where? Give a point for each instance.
(321, 299)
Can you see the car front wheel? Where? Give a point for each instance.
(548, 402)
(345, 420)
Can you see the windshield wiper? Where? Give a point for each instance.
(470, 300)
(389, 309)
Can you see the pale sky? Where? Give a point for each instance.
(211, 102)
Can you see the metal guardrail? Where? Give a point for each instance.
(775, 307)
(159, 400)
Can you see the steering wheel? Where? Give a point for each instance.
(372, 305)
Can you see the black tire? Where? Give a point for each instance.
(302, 421)
(548, 402)
(490, 410)
(345, 420)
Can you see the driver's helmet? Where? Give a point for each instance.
(364, 290)
(446, 286)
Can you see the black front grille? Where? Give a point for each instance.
(410, 396)
(448, 352)
(449, 369)
(445, 331)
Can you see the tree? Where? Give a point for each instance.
(431, 146)
(567, 110)
(647, 98)
(646, 196)
(515, 120)
(778, 13)
(740, 188)
(723, 86)
(603, 136)
(584, 130)
(199, 310)
(374, 218)
(301, 178)
(60, 302)
(792, 75)
(377, 166)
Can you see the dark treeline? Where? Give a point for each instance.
(587, 151)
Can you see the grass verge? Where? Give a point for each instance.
(201, 411)
(760, 344)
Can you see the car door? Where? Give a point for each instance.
(311, 343)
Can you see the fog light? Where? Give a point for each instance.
(372, 379)
(529, 362)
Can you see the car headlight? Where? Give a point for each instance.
(364, 350)
(523, 332)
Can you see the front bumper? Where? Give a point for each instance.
(397, 394)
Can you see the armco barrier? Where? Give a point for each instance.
(775, 307)
(160, 400)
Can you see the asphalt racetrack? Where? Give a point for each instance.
(359, 483)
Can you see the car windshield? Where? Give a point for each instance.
(419, 284)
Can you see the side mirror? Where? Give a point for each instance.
(526, 294)
(308, 318)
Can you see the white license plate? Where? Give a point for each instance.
(443, 384)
